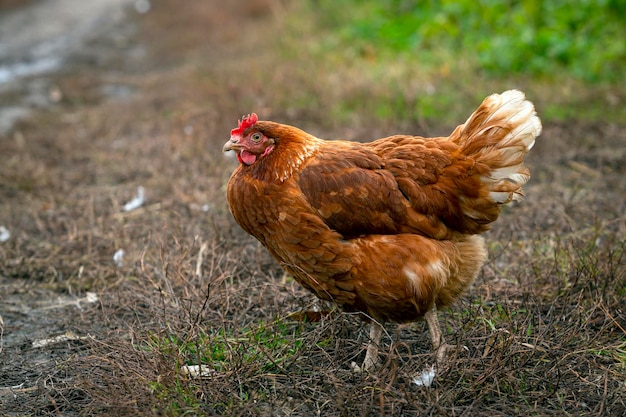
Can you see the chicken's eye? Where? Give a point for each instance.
(256, 137)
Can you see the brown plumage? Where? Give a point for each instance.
(387, 228)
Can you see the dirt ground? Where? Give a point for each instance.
(103, 301)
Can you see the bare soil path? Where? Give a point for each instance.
(36, 41)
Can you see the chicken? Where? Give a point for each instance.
(389, 228)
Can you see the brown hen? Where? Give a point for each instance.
(387, 228)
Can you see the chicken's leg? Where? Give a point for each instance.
(428, 375)
(435, 333)
(371, 355)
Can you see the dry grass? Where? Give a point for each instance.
(542, 331)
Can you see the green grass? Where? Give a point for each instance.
(265, 346)
(424, 62)
(583, 38)
(261, 349)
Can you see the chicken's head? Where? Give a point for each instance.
(249, 143)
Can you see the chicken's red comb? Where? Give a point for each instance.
(245, 123)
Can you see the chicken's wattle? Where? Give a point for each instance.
(247, 157)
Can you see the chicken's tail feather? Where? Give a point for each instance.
(497, 136)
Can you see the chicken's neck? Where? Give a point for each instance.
(287, 159)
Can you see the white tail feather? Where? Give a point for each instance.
(499, 134)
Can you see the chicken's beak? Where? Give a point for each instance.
(231, 145)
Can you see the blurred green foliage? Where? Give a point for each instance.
(584, 39)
